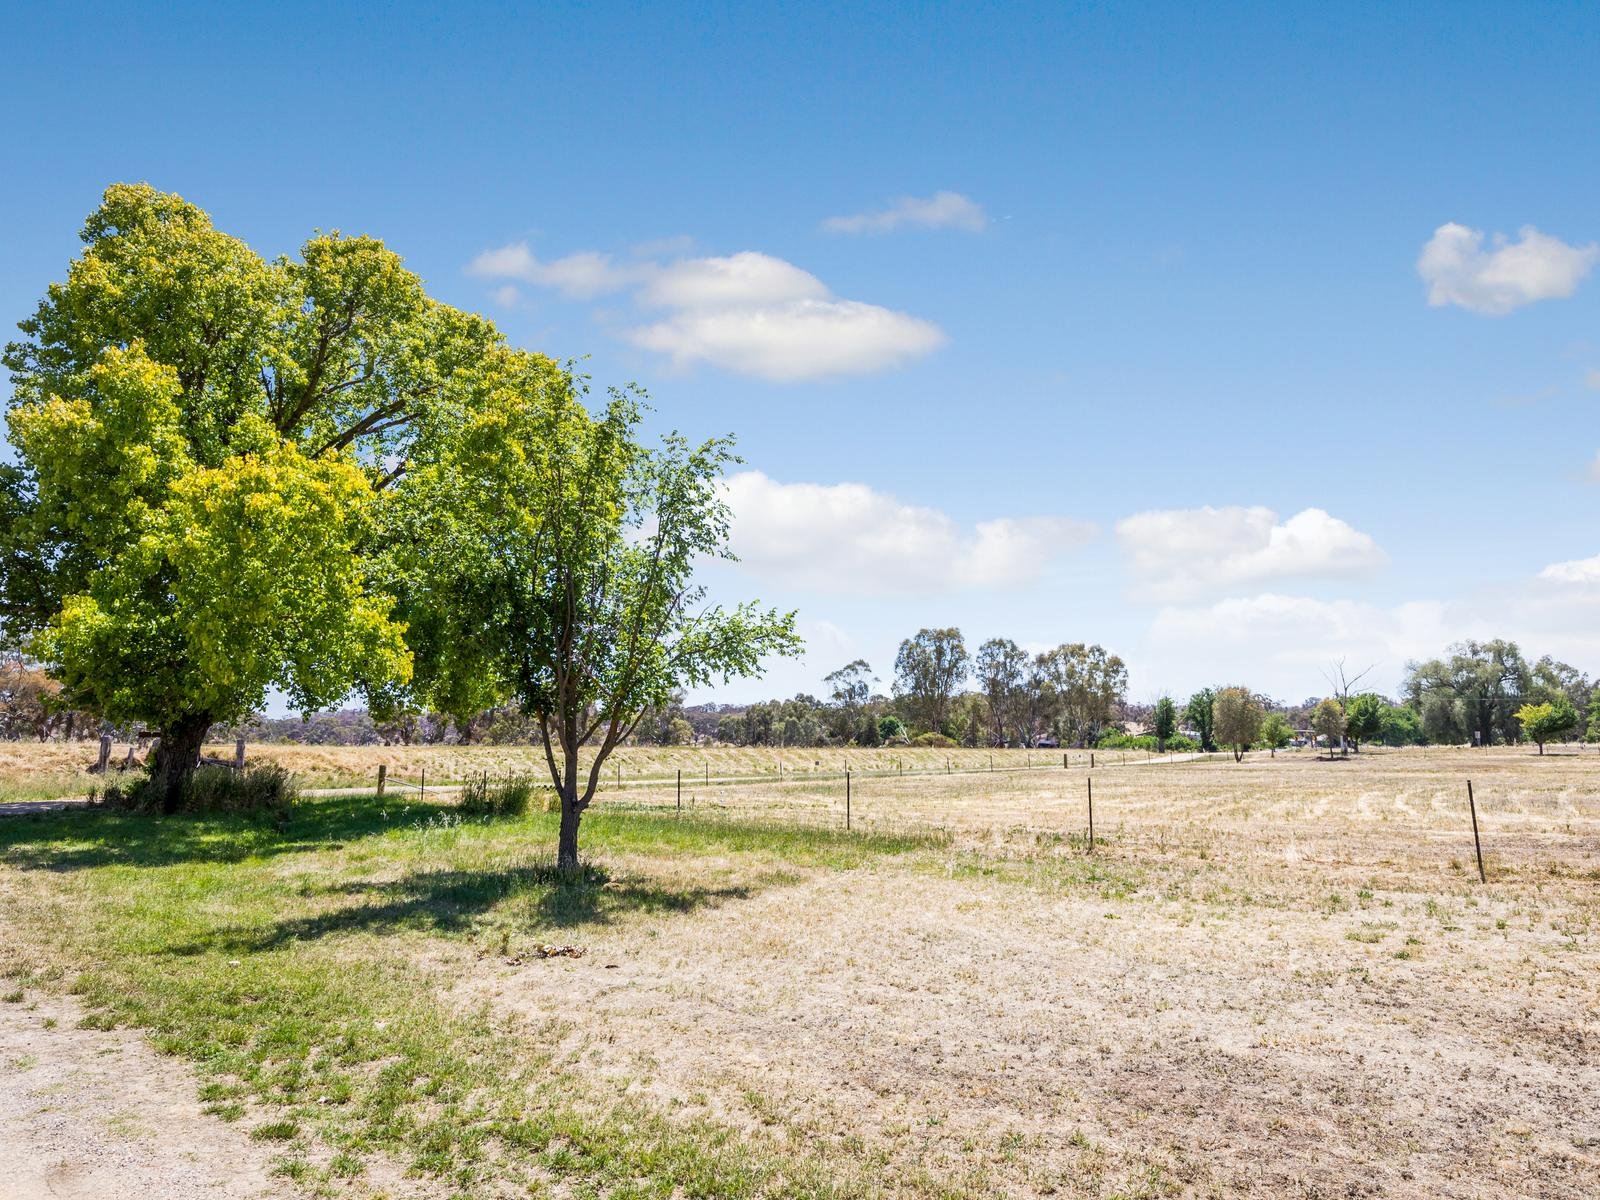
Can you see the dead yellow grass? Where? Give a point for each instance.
(1273, 978)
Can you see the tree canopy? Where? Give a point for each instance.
(928, 670)
(1236, 719)
(561, 552)
(1548, 720)
(206, 440)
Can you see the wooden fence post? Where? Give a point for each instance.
(847, 798)
(238, 755)
(1476, 844)
(105, 754)
(680, 789)
(1089, 779)
(383, 774)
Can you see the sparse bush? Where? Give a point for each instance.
(508, 797)
(933, 739)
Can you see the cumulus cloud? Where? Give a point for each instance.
(1459, 270)
(788, 343)
(942, 210)
(581, 276)
(1282, 644)
(749, 313)
(1583, 572)
(850, 538)
(1181, 553)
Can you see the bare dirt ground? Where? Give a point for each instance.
(1288, 984)
(98, 1115)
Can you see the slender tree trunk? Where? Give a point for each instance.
(567, 848)
(176, 756)
(571, 813)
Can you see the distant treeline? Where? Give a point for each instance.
(940, 694)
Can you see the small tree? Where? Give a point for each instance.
(1363, 718)
(1236, 719)
(1166, 722)
(1594, 716)
(891, 730)
(1548, 721)
(1198, 712)
(1276, 732)
(1327, 720)
(574, 555)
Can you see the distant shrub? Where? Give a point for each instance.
(1144, 741)
(264, 791)
(933, 739)
(508, 797)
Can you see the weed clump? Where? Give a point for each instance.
(508, 797)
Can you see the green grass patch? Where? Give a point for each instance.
(284, 963)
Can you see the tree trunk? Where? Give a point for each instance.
(567, 848)
(176, 756)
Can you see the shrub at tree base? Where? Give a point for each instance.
(508, 797)
(265, 791)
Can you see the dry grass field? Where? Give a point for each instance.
(1274, 978)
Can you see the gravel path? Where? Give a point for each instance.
(96, 1115)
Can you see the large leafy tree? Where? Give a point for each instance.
(562, 551)
(928, 670)
(206, 440)
(1486, 681)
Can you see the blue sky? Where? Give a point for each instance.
(1115, 321)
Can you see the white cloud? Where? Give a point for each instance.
(506, 295)
(742, 280)
(787, 343)
(850, 538)
(748, 312)
(581, 276)
(1580, 571)
(1283, 644)
(942, 210)
(1181, 553)
(1458, 270)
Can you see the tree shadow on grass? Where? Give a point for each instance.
(453, 901)
(83, 838)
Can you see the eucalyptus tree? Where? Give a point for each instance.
(928, 670)
(1082, 686)
(1002, 671)
(206, 444)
